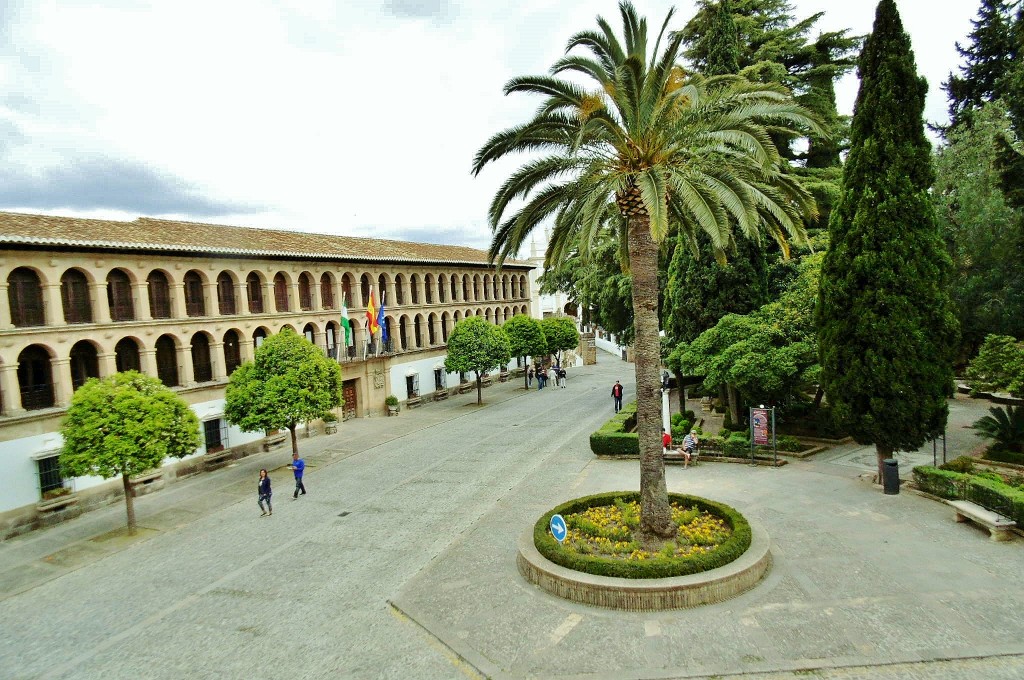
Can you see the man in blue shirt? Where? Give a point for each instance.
(298, 466)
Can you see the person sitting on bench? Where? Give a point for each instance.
(689, 447)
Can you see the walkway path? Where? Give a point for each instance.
(400, 563)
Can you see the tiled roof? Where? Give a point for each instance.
(149, 234)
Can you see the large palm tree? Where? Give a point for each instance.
(646, 150)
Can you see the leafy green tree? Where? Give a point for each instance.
(525, 339)
(722, 42)
(766, 356)
(595, 281)
(124, 425)
(988, 57)
(635, 146)
(886, 327)
(983, 233)
(561, 335)
(478, 346)
(289, 381)
(999, 366)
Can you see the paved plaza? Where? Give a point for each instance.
(400, 563)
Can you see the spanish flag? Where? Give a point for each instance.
(371, 315)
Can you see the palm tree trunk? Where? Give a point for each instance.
(129, 502)
(655, 512)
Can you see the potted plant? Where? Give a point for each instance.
(392, 404)
(330, 423)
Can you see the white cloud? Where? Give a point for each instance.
(358, 118)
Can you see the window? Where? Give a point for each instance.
(84, 363)
(382, 288)
(441, 288)
(280, 293)
(25, 296)
(254, 289)
(258, 336)
(126, 355)
(399, 290)
(159, 295)
(414, 286)
(403, 333)
(440, 378)
(74, 297)
(119, 296)
(215, 434)
(465, 288)
(346, 290)
(431, 322)
(364, 289)
(232, 352)
(195, 305)
(444, 328)
(310, 333)
(417, 332)
(225, 294)
(49, 474)
(202, 368)
(428, 285)
(326, 291)
(305, 292)
(412, 385)
(167, 361)
(35, 379)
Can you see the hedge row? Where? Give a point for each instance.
(616, 438)
(1004, 456)
(985, 492)
(655, 567)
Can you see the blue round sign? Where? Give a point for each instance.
(558, 528)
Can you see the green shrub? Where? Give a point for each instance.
(616, 438)
(677, 418)
(785, 442)
(941, 483)
(736, 446)
(726, 421)
(654, 567)
(1004, 456)
(979, 489)
(724, 432)
(999, 365)
(963, 464)
(690, 415)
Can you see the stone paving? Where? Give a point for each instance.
(400, 563)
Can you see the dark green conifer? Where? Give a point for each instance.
(885, 323)
(722, 43)
(988, 57)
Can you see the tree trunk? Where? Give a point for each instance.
(479, 390)
(129, 502)
(681, 389)
(295, 439)
(882, 452)
(734, 406)
(655, 512)
(818, 394)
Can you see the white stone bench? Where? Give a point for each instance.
(997, 525)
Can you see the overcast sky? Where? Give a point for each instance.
(357, 118)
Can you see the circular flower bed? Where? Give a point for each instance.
(600, 537)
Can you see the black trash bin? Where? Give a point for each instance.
(891, 476)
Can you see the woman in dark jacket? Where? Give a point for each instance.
(264, 493)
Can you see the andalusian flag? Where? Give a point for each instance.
(346, 324)
(371, 315)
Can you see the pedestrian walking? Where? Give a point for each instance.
(542, 377)
(298, 466)
(529, 377)
(263, 493)
(561, 378)
(617, 396)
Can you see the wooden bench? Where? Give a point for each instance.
(503, 377)
(466, 387)
(413, 402)
(485, 381)
(440, 395)
(997, 525)
(273, 441)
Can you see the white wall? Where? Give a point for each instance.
(425, 369)
(21, 472)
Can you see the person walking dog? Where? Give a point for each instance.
(264, 493)
(298, 466)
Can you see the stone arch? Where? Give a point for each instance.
(399, 290)
(403, 332)
(364, 289)
(84, 362)
(127, 355)
(347, 282)
(414, 289)
(167, 360)
(35, 377)
(382, 289)
(227, 283)
(195, 292)
(119, 294)
(431, 332)
(445, 324)
(258, 336)
(289, 327)
(327, 284)
(202, 360)
(465, 288)
(255, 282)
(310, 331)
(75, 297)
(417, 330)
(232, 342)
(428, 289)
(25, 297)
(442, 288)
(282, 284)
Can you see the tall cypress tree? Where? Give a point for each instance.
(886, 327)
(723, 43)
